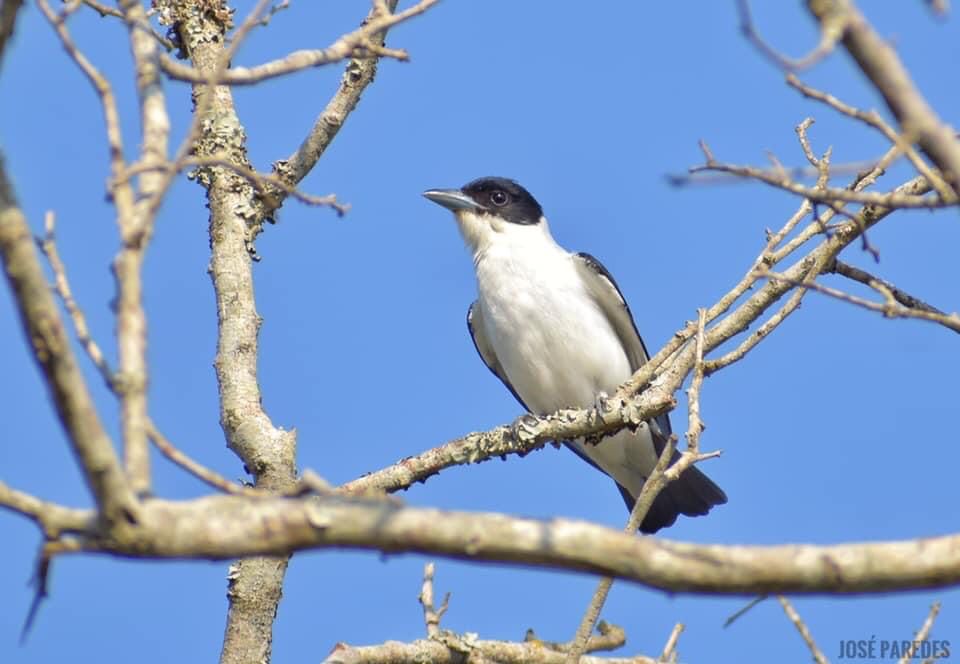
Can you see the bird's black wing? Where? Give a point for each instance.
(693, 493)
(485, 350)
(610, 300)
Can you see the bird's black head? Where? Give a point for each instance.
(505, 198)
(498, 196)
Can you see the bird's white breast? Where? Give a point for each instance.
(553, 342)
(555, 345)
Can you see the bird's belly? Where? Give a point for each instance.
(558, 352)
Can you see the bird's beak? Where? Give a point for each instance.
(452, 199)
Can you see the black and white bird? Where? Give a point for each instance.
(555, 328)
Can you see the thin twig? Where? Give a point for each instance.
(829, 36)
(662, 474)
(863, 180)
(695, 424)
(49, 247)
(939, 7)
(648, 493)
(431, 615)
(864, 277)
(105, 10)
(877, 59)
(265, 184)
(357, 76)
(802, 629)
(922, 634)
(358, 43)
(873, 119)
(891, 308)
(198, 470)
(831, 195)
(739, 613)
(100, 85)
(205, 91)
(669, 653)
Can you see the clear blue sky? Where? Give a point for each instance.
(840, 427)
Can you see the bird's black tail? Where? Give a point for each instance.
(692, 494)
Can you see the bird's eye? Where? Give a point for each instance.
(499, 198)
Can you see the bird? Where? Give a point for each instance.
(555, 328)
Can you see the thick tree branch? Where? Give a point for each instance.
(892, 80)
(51, 349)
(225, 527)
(268, 452)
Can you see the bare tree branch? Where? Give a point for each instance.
(135, 219)
(669, 653)
(122, 196)
(829, 36)
(62, 285)
(431, 614)
(53, 519)
(891, 308)
(803, 630)
(864, 277)
(939, 7)
(361, 43)
(873, 119)
(8, 19)
(526, 434)
(922, 634)
(204, 474)
(781, 180)
(882, 66)
(224, 527)
(268, 452)
(456, 649)
(104, 11)
(648, 493)
(359, 73)
(51, 349)
(446, 646)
